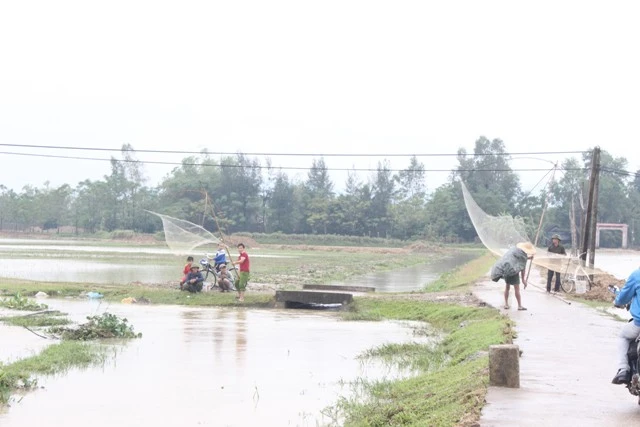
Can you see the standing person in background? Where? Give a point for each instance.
(243, 276)
(555, 248)
(186, 270)
(221, 256)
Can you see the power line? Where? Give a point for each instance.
(227, 153)
(271, 167)
(620, 172)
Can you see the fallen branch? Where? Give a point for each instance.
(37, 313)
(35, 333)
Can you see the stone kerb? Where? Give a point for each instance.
(504, 365)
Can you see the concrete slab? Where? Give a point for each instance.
(339, 288)
(312, 297)
(566, 367)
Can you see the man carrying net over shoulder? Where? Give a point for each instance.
(511, 268)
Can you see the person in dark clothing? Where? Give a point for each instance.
(194, 280)
(511, 267)
(555, 248)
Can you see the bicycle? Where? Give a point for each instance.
(209, 268)
(573, 274)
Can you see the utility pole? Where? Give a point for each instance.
(594, 208)
(586, 227)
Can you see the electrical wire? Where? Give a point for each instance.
(226, 153)
(205, 164)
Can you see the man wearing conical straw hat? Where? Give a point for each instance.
(511, 268)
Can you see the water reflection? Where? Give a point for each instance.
(77, 261)
(410, 278)
(217, 367)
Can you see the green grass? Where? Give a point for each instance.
(54, 359)
(154, 294)
(451, 378)
(54, 318)
(463, 277)
(450, 372)
(18, 302)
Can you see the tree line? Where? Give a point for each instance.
(249, 197)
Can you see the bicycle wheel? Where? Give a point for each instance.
(567, 283)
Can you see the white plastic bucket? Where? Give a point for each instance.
(581, 286)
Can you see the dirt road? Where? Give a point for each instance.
(566, 366)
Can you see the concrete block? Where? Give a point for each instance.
(312, 297)
(504, 365)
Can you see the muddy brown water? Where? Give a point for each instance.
(211, 366)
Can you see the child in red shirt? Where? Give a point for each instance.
(186, 270)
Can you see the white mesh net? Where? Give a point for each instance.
(183, 236)
(499, 233)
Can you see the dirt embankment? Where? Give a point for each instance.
(599, 291)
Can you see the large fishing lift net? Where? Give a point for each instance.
(499, 233)
(183, 236)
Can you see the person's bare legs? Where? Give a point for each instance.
(516, 289)
(506, 295)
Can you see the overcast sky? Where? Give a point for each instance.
(316, 77)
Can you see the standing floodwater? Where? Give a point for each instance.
(413, 278)
(215, 367)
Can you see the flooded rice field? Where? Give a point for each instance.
(77, 261)
(210, 366)
(619, 263)
(412, 278)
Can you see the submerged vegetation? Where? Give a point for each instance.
(106, 325)
(68, 353)
(451, 376)
(36, 320)
(54, 359)
(18, 302)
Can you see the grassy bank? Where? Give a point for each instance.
(450, 373)
(463, 277)
(54, 359)
(155, 295)
(451, 377)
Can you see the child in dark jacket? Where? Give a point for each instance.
(194, 280)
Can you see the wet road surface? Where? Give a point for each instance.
(566, 367)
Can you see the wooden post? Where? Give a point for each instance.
(594, 208)
(574, 232)
(586, 227)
